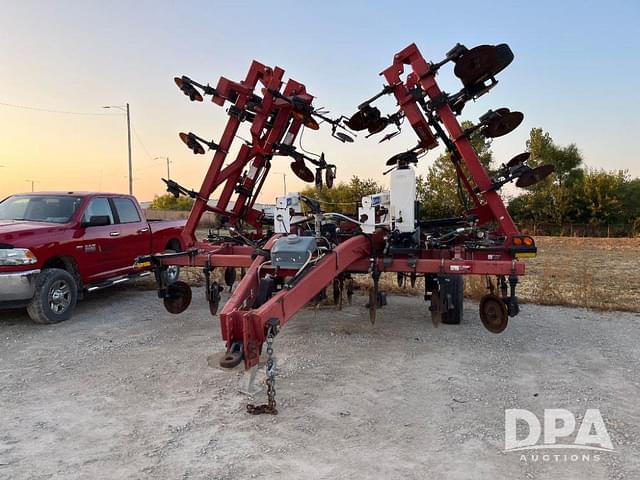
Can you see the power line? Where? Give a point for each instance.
(46, 110)
(144, 147)
(152, 160)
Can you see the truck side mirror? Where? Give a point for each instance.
(97, 221)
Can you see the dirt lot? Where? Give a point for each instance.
(123, 390)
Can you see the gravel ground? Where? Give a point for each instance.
(123, 390)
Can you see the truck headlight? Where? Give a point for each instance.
(17, 256)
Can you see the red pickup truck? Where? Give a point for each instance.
(56, 246)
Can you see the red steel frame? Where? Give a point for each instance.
(422, 75)
(247, 326)
(263, 138)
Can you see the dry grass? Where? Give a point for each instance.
(598, 273)
(601, 273)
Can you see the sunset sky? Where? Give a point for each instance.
(576, 74)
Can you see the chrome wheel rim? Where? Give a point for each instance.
(173, 271)
(59, 297)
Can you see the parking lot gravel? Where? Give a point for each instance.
(124, 390)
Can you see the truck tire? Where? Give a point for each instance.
(55, 297)
(453, 285)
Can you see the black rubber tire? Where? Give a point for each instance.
(40, 309)
(266, 287)
(454, 286)
(230, 276)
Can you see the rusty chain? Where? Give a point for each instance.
(270, 406)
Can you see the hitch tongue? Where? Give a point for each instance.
(233, 357)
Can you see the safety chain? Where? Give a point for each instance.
(270, 406)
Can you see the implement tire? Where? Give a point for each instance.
(453, 285)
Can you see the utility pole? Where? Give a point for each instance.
(129, 142)
(284, 181)
(125, 108)
(33, 182)
(168, 162)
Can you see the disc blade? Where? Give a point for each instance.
(363, 118)
(188, 89)
(493, 313)
(198, 149)
(311, 123)
(343, 137)
(505, 57)
(378, 125)
(535, 175)
(306, 119)
(476, 63)
(518, 159)
(408, 157)
(193, 144)
(503, 124)
(393, 160)
(356, 122)
(482, 62)
(302, 171)
(178, 297)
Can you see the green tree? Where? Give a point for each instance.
(551, 200)
(344, 197)
(567, 160)
(169, 202)
(597, 198)
(629, 196)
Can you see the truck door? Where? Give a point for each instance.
(97, 249)
(135, 234)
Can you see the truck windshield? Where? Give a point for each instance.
(39, 208)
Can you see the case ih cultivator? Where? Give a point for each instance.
(303, 249)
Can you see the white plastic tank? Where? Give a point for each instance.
(403, 198)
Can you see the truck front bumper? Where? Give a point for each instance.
(17, 286)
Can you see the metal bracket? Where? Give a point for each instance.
(247, 383)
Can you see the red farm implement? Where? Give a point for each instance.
(291, 255)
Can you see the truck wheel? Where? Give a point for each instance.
(172, 273)
(55, 297)
(453, 285)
